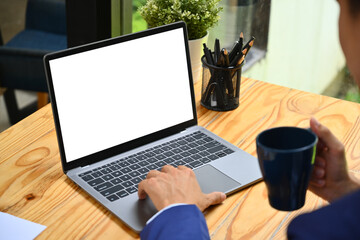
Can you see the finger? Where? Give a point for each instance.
(152, 173)
(214, 198)
(317, 183)
(320, 162)
(318, 173)
(324, 134)
(167, 168)
(142, 189)
(181, 167)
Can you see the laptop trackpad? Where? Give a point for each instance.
(212, 180)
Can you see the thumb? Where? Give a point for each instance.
(324, 134)
(213, 198)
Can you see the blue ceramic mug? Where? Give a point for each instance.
(286, 156)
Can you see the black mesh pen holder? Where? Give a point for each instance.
(220, 86)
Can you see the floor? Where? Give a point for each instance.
(12, 15)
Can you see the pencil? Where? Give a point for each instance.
(241, 40)
(226, 56)
(248, 43)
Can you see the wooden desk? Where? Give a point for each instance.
(33, 186)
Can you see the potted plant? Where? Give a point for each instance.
(199, 16)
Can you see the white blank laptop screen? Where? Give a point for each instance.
(121, 92)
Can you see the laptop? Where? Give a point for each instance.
(125, 106)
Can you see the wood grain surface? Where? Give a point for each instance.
(33, 186)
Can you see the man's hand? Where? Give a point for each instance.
(330, 178)
(176, 185)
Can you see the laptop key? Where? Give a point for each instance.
(97, 174)
(201, 148)
(177, 150)
(103, 186)
(185, 147)
(112, 190)
(114, 168)
(116, 174)
(180, 162)
(87, 178)
(188, 159)
(169, 154)
(152, 167)
(193, 151)
(160, 164)
(204, 153)
(112, 198)
(205, 160)
(216, 149)
(152, 160)
(125, 177)
(96, 181)
(213, 157)
(141, 157)
(185, 154)
(122, 194)
(177, 157)
(106, 170)
(210, 144)
(168, 160)
(132, 160)
(150, 154)
(228, 151)
(166, 148)
(143, 170)
(196, 156)
(134, 174)
(158, 151)
(220, 154)
(136, 180)
(127, 184)
(160, 157)
(107, 177)
(144, 163)
(196, 164)
(124, 164)
(125, 170)
(116, 181)
(85, 173)
(135, 166)
(131, 190)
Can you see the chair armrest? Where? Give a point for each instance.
(22, 69)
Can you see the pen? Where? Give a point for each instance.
(208, 55)
(234, 51)
(216, 50)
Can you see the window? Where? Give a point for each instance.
(248, 16)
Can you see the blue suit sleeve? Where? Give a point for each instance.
(179, 222)
(340, 220)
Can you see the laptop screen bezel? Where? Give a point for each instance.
(121, 148)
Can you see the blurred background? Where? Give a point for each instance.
(296, 42)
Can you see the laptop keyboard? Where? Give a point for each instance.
(121, 178)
